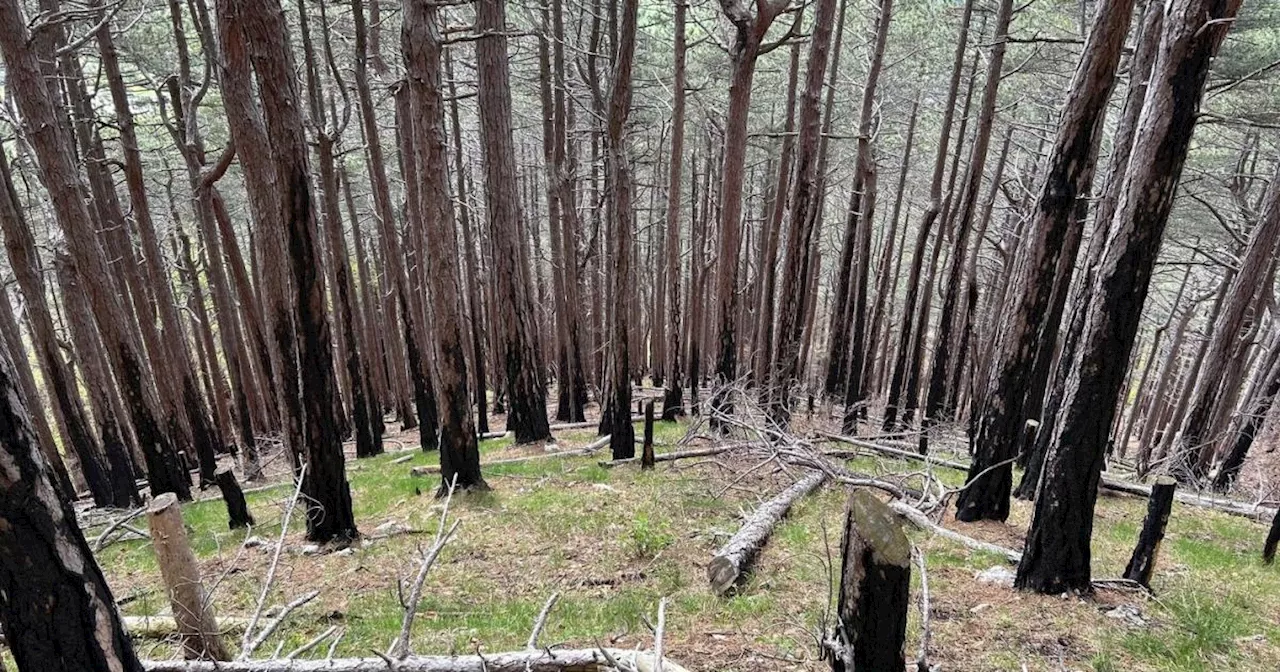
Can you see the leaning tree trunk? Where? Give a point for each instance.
(58, 613)
(907, 336)
(421, 42)
(1057, 552)
(1047, 265)
(513, 311)
(1229, 342)
(52, 146)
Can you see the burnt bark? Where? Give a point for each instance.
(421, 43)
(513, 312)
(673, 394)
(1057, 555)
(48, 138)
(1048, 262)
(1142, 564)
(238, 515)
(875, 589)
(58, 613)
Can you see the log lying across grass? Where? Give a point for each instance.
(732, 560)
(1223, 504)
(543, 660)
(589, 449)
(671, 456)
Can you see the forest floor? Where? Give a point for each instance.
(613, 542)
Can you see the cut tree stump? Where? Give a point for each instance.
(192, 610)
(1273, 538)
(646, 453)
(544, 660)
(1142, 564)
(875, 586)
(734, 558)
(237, 508)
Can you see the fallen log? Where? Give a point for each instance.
(670, 456)
(544, 660)
(155, 627)
(589, 449)
(917, 518)
(1226, 505)
(732, 560)
(587, 424)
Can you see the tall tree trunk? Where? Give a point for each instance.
(1048, 261)
(261, 24)
(673, 396)
(1229, 341)
(907, 336)
(204, 431)
(397, 293)
(109, 476)
(748, 44)
(513, 313)
(421, 43)
(1148, 44)
(617, 163)
(1057, 550)
(945, 340)
(806, 204)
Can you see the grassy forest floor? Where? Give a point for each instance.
(614, 541)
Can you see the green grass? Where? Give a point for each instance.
(613, 542)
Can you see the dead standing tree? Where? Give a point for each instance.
(421, 43)
(58, 172)
(617, 164)
(58, 613)
(330, 517)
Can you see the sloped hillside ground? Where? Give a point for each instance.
(613, 542)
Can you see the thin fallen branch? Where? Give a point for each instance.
(673, 455)
(732, 560)
(1226, 505)
(917, 518)
(104, 539)
(545, 660)
(541, 622)
(926, 634)
(657, 635)
(249, 643)
(400, 648)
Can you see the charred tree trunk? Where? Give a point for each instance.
(329, 514)
(805, 207)
(61, 179)
(1142, 564)
(1057, 551)
(749, 32)
(1046, 270)
(513, 312)
(907, 336)
(875, 589)
(673, 395)
(617, 163)
(58, 613)
(421, 43)
(238, 515)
